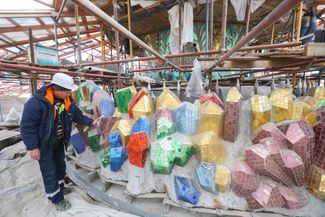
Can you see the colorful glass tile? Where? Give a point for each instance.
(114, 139)
(281, 100)
(231, 115)
(315, 181)
(205, 173)
(185, 190)
(124, 127)
(142, 125)
(210, 149)
(186, 118)
(93, 140)
(123, 98)
(222, 178)
(118, 156)
(138, 149)
(104, 157)
(211, 118)
(167, 99)
(213, 97)
(243, 179)
(165, 127)
(261, 110)
(143, 107)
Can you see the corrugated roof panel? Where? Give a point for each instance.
(13, 49)
(5, 23)
(82, 29)
(26, 21)
(69, 19)
(47, 20)
(73, 29)
(16, 36)
(37, 33)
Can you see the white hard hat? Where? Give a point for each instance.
(63, 80)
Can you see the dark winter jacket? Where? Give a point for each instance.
(38, 128)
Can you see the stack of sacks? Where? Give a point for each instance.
(261, 110)
(233, 104)
(281, 100)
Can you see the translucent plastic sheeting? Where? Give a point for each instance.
(13, 116)
(187, 31)
(194, 86)
(240, 7)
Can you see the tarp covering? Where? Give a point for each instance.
(187, 30)
(240, 7)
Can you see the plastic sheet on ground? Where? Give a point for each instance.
(22, 194)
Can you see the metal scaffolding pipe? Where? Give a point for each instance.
(279, 11)
(40, 70)
(110, 21)
(211, 52)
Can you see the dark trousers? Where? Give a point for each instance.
(52, 165)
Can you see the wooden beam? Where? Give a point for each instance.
(224, 24)
(45, 27)
(57, 4)
(46, 38)
(34, 14)
(253, 63)
(108, 4)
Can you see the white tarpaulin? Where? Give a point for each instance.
(187, 30)
(240, 7)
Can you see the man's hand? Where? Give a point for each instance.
(97, 121)
(35, 154)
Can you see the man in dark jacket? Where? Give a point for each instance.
(46, 127)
